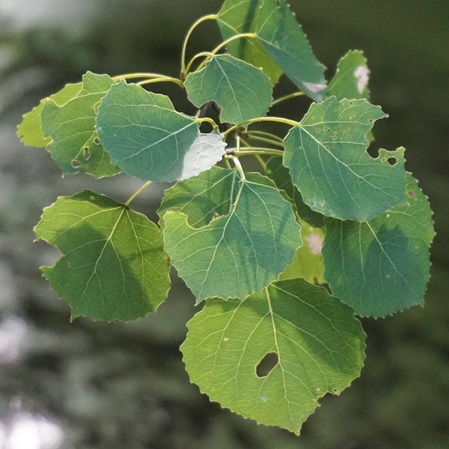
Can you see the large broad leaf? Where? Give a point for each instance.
(228, 238)
(328, 162)
(381, 266)
(271, 356)
(30, 129)
(113, 265)
(280, 35)
(241, 90)
(152, 140)
(71, 126)
(351, 78)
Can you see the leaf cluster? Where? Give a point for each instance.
(284, 257)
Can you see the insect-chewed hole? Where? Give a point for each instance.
(75, 163)
(267, 364)
(86, 153)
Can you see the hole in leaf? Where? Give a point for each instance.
(97, 141)
(75, 163)
(86, 153)
(267, 364)
(392, 160)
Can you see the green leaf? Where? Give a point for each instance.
(30, 129)
(280, 35)
(113, 265)
(241, 90)
(314, 341)
(328, 162)
(228, 238)
(308, 261)
(146, 137)
(281, 177)
(381, 266)
(236, 17)
(352, 76)
(71, 126)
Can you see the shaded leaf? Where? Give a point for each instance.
(74, 144)
(113, 265)
(146, 137)
(281, 177)
(241, 90)
(314, 338)
(329, 163)
(352, 76)
(30, 129)
(229, 238)
(280, 35)
(382, 266)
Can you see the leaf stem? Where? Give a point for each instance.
(258, 151)
(137, 193)
(208, 120)
(239, 168)
(167, 79)
(287, 97)
(198, 55)
(283, 120)
(265, 134)
(266, 140)
(186, 40)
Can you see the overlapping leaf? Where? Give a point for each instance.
(382, 266)
(241, 90)
(146, 137)
(30, 129)
(280, 35)
(228, 238)
(315, 339)
(113, 265)
(71, 126)
(351, 78)
(328, 162)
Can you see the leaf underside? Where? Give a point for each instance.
(113, 265)
(329, 163)
(228, 238)
(316, 343)
(381, 266)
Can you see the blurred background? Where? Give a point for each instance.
(97, 385)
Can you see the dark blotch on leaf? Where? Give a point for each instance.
(75, 163)
(267, 364)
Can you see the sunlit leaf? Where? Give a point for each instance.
(329, 163)
(311, 341)
(30, 129)
(74, 143)
(228, 238)
(241, 90)
(351, 78)
(280, 35)
(152, 140)
(381, 266)
(113, 266)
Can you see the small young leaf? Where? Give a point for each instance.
(352, 76)
(241, 90)
(329, 164)
(71, 126)
(113, 265)
(381, 266)
(152, 140)
(281, 177)
(243, 248)
(30, 129)
(317, 342)
(280, 35)
(308, 261)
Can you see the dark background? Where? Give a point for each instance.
(124, 385)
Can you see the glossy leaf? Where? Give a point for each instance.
(113, 265)
(280, 35)
(75, 146)
(241, 90)
(308, 261)
(248, 238)
(382, 266)
(328, 162)
(352, 76)
(30, 129)
(315, 341)
(152, 140)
